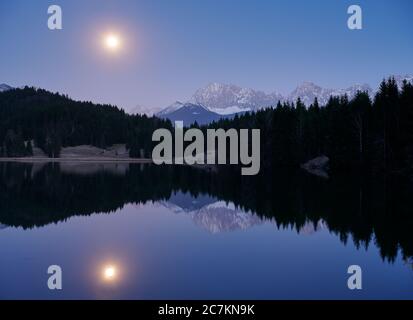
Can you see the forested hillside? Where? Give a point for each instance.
(53, 121)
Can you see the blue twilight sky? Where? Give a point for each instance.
(173, 47)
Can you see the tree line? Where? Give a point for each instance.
(31, 117)
(357, 133)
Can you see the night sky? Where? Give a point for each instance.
(170, 48)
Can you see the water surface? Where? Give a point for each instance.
(145, 232)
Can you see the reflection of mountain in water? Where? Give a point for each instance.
(355, 208)
(310, 227)
(185, 202)
(211, 214)
(220, 216)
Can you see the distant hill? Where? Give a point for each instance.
(190, 113)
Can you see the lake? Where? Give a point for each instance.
(135, 231)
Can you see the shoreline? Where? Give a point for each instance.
(79, 160)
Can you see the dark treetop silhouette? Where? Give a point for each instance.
(376, 136)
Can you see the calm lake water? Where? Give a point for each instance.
(122, 231)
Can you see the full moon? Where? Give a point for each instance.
(112, 42)
(109, 272)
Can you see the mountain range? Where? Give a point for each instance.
(218, 216)
(216, 100)
(212, 214)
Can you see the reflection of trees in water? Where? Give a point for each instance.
(408, 261)
(353, 208)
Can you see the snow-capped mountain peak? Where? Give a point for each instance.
(4, 87)
(171, 108)
(400, 79)
(307, 92)
(221, 98)
(139, 109)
